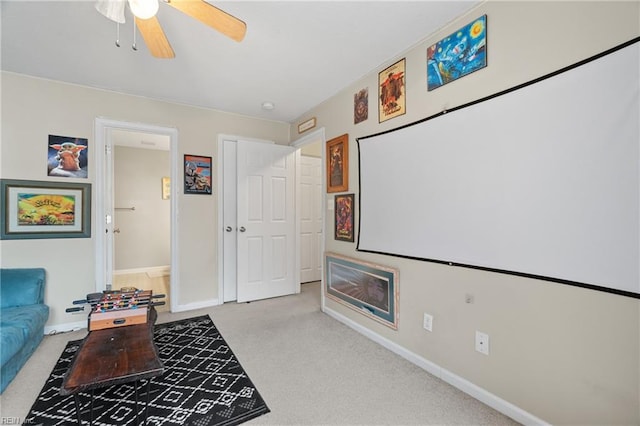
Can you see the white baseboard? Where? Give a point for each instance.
(197, 305)
(464, 385)
(66, 327)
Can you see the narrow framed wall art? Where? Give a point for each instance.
(391, 91)
(344, 217)
(338, 164)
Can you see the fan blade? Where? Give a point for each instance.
(210, 15)
(154, 38)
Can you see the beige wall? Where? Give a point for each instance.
(564, 354)
(34, 108)
(144, 238)
(312, 150)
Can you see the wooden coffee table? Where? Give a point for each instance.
(113, 356)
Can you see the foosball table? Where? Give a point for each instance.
(118, 308)
(119, 347)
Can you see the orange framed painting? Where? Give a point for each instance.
(338, 164)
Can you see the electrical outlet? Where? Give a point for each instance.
(427, 322)
(482, 343)
(468, 298)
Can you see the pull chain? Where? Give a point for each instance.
(117, 34)
(134, 47)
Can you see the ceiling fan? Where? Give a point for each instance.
(144, 12)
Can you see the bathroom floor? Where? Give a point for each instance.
(158, 283)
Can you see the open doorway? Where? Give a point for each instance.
(312, 150)
(142, 212)
(109, 220)
(311, 212)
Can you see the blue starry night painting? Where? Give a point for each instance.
(458, 54)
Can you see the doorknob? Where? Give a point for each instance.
(228, 229)
(241, 229)
(116, 231)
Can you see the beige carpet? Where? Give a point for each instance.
(309, 368)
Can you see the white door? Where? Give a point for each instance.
(230, 221)
(310, 219)
(266, 237)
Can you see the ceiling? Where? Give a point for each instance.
(296, 54)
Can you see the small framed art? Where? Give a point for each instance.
(458, 54)
(361, 106)
(364, 287)
(391, 91)
(166, 188)
(344, 217)
(67, 157)
(338, 164)
(307, 125)
(197, 174)
(38, 209)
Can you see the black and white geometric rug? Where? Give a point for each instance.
(203, 385)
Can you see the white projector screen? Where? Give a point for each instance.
(542, 180)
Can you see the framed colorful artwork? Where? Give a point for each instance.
(458, 54)
(166, 188)
(391, 91)
(364, 287)
(361, 106)
(338, 164)
(67, 157)
(37, 209)
(344, 217)
(197, 174)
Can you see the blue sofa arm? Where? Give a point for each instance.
(21, 286)
(23, 316)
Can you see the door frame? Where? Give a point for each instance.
(104, 188)
(313, 137)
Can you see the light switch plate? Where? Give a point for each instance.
(427, 322)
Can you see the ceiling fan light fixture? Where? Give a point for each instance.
(144, 9)
(112, 9)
